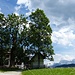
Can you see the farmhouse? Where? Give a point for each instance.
(34, 61)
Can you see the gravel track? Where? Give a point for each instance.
(11, 73)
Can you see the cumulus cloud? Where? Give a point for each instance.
(17, 9)
(64, 36)
(53, 8)
(27, 3)
(58, 11)
(59, 57)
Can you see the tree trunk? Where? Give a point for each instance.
(12, 54)
(1, 55)
(12, 57)
(38, 59)
(1, 59)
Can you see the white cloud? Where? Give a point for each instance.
(55, 10)
(59, 57)
(17, 9)
(67, 1)
(64, 36)
(27, 3)
(52, 8)
(23, 2)
(48, 62)
(28, 13)
(16, 13)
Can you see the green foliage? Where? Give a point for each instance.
(55, 71)
(21, 41)
(10, 36)
(40, 33)
(3, 39)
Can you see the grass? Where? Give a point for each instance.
(53, 71)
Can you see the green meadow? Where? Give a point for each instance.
(50, 71)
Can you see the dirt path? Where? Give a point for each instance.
(11, 73)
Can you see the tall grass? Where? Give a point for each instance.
(53, 71)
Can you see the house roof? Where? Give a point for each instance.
(36, 55)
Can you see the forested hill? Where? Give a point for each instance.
(66, 65)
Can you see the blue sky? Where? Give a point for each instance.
(62, 20)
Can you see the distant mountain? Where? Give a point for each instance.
(73, 61)
(64, 63)
(55, 64)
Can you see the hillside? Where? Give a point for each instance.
(66, 65)
(52, 71)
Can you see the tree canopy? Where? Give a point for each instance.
(21, 41)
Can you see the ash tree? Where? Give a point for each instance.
(15, 25)
(3, 39)
(15, 37)
(40, 35)
(11, 39)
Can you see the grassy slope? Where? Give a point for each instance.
(55, 71)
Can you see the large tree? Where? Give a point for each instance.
(40, 35)
(3, 39)
(16, 24)
(14, 38)
(21, 41)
